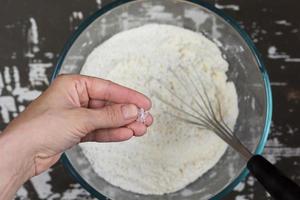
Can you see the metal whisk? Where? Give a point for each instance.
(202, 113)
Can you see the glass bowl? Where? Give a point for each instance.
(246, 71)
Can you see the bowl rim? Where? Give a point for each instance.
(64, 159)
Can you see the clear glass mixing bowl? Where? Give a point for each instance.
(246, 71)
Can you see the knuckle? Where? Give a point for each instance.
(67, 77)
(61, 77)
(107, 93)
(112, 115)
(67, 81)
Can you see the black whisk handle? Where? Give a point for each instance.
(275, 182)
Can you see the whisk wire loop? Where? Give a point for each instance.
(204, 115)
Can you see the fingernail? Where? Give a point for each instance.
(129, 111)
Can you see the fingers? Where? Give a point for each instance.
(138, 128)
(108, 91)
(94, 103)
(116, 134)
(119, 134)
(112, 116)
(90, 88)
(109, 135)
(149, 120)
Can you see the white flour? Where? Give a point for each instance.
(172, 154)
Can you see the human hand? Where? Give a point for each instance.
(73, 109)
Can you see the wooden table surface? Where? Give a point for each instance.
(33, 32)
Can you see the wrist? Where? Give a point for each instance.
(17, 163)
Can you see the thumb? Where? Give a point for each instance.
(111, 116)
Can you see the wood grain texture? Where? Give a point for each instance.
(33, 32)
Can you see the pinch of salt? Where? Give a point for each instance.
(142, 115)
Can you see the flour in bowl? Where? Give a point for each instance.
(172, 154)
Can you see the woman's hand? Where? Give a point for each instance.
(73, 109)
